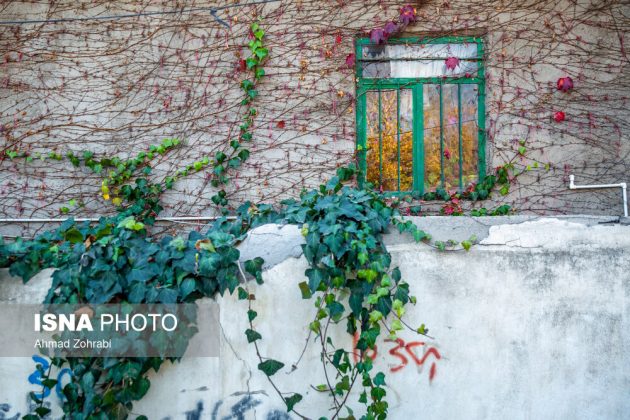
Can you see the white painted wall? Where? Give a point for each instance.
(532, 323)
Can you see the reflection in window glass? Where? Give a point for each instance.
(406, 140)
(432, 164)
(450, 124)
(470, 133)
(429, 60)
(374, 149)
(388, 161)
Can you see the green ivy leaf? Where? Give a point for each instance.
(42, 411)
(73, 236)
(379, 379)
(363, 398)
(378, 393)
(261, 53)
(396, 325)
(251, 62)
(252, 335)
(315, 278)
(270, 367)
(306, 291)
(375, 316)
(187, 287)
(242, 294)
(259, 36)
(254, 267)
(131, 224)
(292, 400)
(49, 383)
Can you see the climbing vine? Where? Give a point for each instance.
(115, 186)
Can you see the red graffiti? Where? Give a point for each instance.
(403, 352)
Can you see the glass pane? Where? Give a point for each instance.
(431, 94)
(415, 51)
(418, 60)
(470, 133)
(373, 142)
(450, 122)
(376, 70)
(389, 126)
(382, 139)
(406, 140)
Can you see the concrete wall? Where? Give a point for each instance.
(532, 323)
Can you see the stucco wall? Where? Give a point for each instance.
(532, 323)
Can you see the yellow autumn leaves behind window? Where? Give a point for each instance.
(384, 172)
(389, 152)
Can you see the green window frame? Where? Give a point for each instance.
(376, 87)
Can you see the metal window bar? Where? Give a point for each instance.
(441, 136)
(460, 142)
(380, 141)
(398, 134)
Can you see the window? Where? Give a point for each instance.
(420, 113)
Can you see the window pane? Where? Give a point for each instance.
(415, 51)
(373, 142)
(470, 133)
(382, 139)
(376, 70)
(406, 140)
(450, 122)
(431, 94)
(390, 142)
(429, 60)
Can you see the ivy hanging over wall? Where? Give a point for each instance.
(353, 286)
(350, 280)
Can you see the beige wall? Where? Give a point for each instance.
(115, 87)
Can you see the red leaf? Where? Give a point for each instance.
(559, 116)
(407, 14)
(390, 29)
(350, 58)
(565, 84)
(242, 65)
(451, 63)
(378, 36)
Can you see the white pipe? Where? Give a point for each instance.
(95, 219)
(622, 185)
